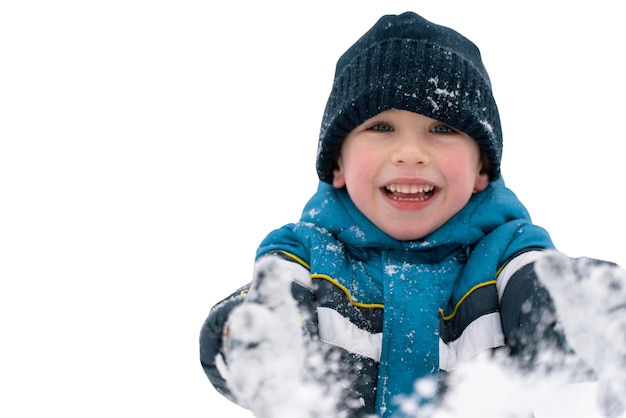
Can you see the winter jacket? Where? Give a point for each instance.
(399, 311)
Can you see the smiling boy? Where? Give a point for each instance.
(412, 256)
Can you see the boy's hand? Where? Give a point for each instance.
(590, 298)
(265, 351)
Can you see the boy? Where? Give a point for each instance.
(411, 257)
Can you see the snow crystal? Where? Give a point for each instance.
(486, 125)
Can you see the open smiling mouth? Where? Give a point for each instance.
(410, 192)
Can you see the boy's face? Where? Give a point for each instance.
(409, 174)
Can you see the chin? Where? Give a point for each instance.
(404, 235)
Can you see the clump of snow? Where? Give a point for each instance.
(270, 368)
(590, 298)
(491, 386)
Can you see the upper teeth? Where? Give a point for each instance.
(410, 188)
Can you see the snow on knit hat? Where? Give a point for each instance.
(406, 62)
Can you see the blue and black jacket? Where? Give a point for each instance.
(403, 310)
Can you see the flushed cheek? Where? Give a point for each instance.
(457, 167)
(364, 167)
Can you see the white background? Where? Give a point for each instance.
(146, 147)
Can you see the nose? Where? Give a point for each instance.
(410, 149)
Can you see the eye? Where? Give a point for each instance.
(443, 129)
(380, 127)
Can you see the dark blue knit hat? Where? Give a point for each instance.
(406, 62)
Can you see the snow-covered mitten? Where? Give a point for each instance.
(590, 299)
(266, 352)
